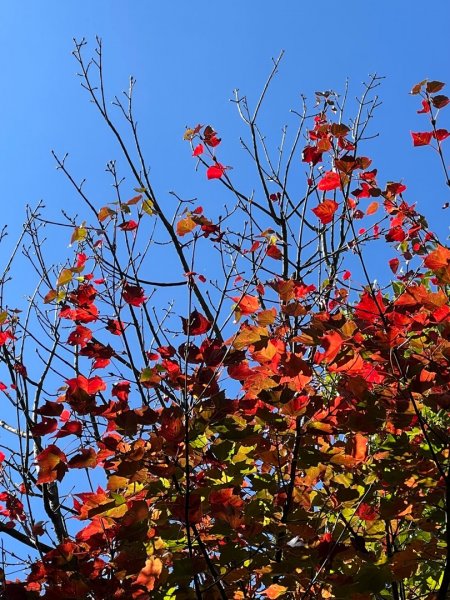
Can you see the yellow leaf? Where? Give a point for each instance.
(148, 206)
(79, 234)
(188, 134)
(65, 277)
(266, 317)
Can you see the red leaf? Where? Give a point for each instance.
(70, 428)
(197, 324)
(395, 188)
(441, 134)
(366, 512)
(45, 427)
(274, 252)
(5, 336)
(121, 390)
(82, 315)
(198, 150)
(326, 210)
(114, 326)
(332, 343)
(215, 171)
(434, 86)
(425, 107)
(86, 458)
(394, 264)
(311, 155)
(128, 226)
(79, 336)
(346, 275)
(90, 386)
(330, 181)
(133, 294)
(421, 138)
(210, 137)
(369, 309)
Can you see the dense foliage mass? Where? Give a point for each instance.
(288, 437)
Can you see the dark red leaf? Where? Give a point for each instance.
(197, 324)
(133, 294)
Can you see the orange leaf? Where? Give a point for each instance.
(52, 465)
(325, 211)
(247, 305)
(185, 226)
(372, 208)
(275, 591)
(359, 447)
(438, 259)
(150, 573)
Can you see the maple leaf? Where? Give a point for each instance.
(246, 305)
(421, 138)
(325, 211)
(197, 324)
(114, 326)
(210, 137)
(311, 155)
(79, 336)
(121, 390)
(198, 150)
(46, 426)
(133, 294)
(439, 262)
(441, 134)
(215, 171)
(90, 385)
(330, 181)
(128, 225)
(185, 225)
(86, 458)
(275, 591)
(332, 343)
(70, 428)
(52, 463)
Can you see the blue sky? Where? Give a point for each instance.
(187, 58)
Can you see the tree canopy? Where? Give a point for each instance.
(232, 400)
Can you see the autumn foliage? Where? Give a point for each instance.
(280, 430)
